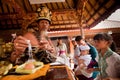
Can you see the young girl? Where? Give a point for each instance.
(62, 53)
(108, 61)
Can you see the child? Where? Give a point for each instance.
(108, 61)
(83, 61)
(62, 53)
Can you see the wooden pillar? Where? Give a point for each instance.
(71, 47)
(80, 12)
(82, 32)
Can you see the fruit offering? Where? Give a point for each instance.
(5, 67)
(29, 67)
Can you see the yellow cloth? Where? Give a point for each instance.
(38, 73)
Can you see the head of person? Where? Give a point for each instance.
(74, 42)
(102, 40)
(44, 18)
(59, 41)
(84, 49)
(80, 40)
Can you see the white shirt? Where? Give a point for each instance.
(62, 48)
(86, 58)
(76, 53)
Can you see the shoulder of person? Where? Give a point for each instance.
(64, 44)
(90, 45)
(116, 56)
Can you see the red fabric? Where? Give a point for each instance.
(61, 52)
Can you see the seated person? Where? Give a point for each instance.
(38, 39)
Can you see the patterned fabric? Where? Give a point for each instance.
(103, 64)
(41, 55)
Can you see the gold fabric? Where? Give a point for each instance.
(40, 72)
(44, 13)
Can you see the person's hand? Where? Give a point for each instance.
(43, 45)
(80, 61)
(89, 70)
(77, 57)
(20, 44)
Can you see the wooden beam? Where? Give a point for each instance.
(24, 5)
(64, 24)
(105, 2)
(8, 27)
(54, 13)
(1, 6)
(105, 15)
(69, 20)
(68, 4)
(75, 32)
(30, 5)
(16, 6)
(90, 31)
(62, 29)
(64, 33)
(92, 6)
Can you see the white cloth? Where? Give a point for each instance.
(84, 47)
(61, 47)
(113, 68)
(87, 60)
(62, 60)
(61, 56)
(76, 53)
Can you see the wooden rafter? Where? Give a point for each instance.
(27, 19)
(105, 2)
(58, 29)
(70, 12)
(105, 15)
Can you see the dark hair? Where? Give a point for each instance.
(103, 36)
(113, 46)
(78, 38)
(59, 38)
